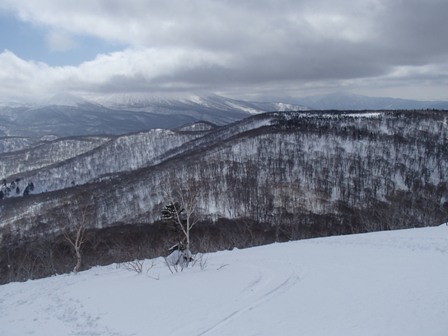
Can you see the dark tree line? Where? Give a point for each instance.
(14, 188)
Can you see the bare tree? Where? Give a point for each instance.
(76, 234)
(182, 211)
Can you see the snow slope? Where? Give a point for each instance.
(385, 283)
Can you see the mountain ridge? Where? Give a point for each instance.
(350, 101)
(69, 116)
(250, 152)
(270, 177)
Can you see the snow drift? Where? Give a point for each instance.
(384, 283)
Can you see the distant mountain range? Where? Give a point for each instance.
(348, 101)
(67, 115)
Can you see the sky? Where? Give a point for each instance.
(249, 49)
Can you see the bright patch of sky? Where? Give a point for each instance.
(40, 43)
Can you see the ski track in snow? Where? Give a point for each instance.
(283, 287)
(266, 286)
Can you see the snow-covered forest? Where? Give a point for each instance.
(270, 177)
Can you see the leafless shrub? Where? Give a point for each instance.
(200, 260)
(139, 267)
(134, 266)
(173, 268)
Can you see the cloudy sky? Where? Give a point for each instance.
(243, 49)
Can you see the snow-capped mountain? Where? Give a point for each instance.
(84, 119)
(191, 103)
(66, 115)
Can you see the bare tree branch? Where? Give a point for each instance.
(76, 233)
(182, 208)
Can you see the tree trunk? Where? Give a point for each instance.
(78, 260)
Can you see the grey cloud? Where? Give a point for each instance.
(413, 32)
(257, 43)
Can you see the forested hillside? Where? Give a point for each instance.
(276, 176)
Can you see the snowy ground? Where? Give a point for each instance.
(386, 283)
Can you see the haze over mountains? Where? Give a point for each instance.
(349, 101)
(67, 115)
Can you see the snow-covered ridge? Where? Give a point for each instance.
(151, 103)
(46, 153)
(200, 126)
(332, 115)
(12, 144)
(124, 153)
(386, 283)
(265, 167)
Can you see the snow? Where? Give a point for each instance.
(196, 100)
(363, 115)
(385, 283)
(245, 108)
(283, 107)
